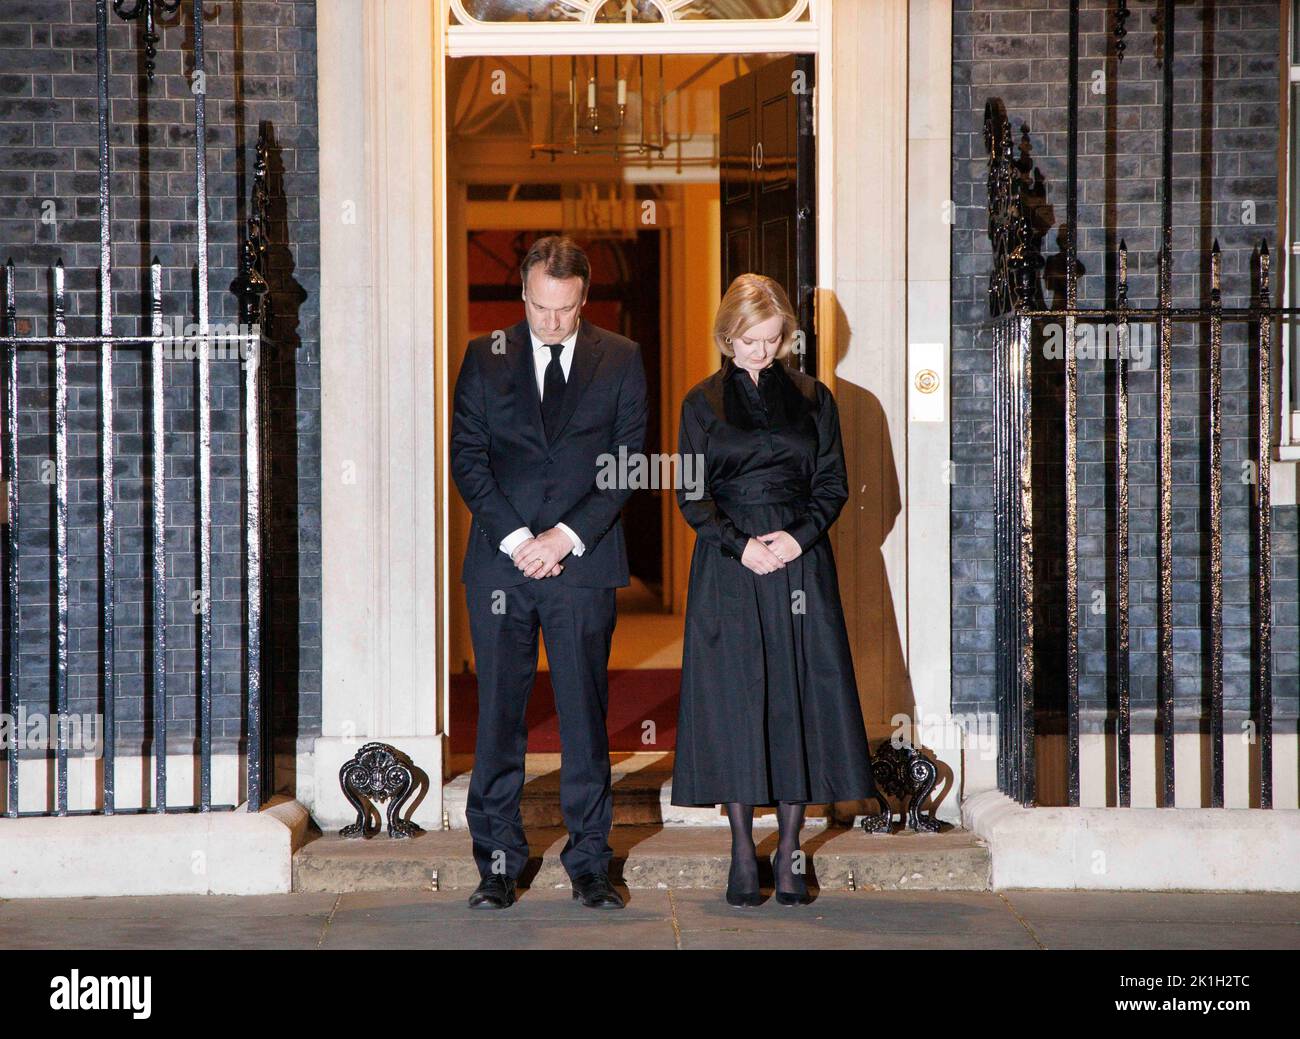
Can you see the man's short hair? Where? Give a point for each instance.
(560, 256)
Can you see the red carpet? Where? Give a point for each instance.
(635, 697)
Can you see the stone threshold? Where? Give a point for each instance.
(651, 857)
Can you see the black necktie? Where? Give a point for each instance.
(553, 391)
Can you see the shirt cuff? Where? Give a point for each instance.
(734, 543)
(804, 531)
(578, 546)
(514, 539)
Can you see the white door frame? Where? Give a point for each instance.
(384, 484)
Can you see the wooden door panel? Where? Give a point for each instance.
(767, 183)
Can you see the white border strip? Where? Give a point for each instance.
(731, 37)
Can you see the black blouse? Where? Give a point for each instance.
(776, 443)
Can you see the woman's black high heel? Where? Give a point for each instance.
(798, 897)
(741, 898)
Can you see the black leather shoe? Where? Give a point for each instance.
(741, 898)
(596, 892)
(799, 896)
(493, 892)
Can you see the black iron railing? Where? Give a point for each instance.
(1018, 314)
(247, 343)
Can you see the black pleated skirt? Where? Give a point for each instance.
(769, 705)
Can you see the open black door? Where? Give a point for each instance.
(768, 184)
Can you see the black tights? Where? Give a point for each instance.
(744, 860)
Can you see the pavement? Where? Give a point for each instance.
(546, 917)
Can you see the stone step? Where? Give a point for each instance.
(653, 857)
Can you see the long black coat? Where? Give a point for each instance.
(511, 476)
(769, 704)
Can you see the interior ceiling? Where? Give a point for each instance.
(488, 97)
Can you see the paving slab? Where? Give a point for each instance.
(167, 921)
(853, 920)
(541, 919)
(1160, 919)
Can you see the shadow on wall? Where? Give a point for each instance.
(869, 515)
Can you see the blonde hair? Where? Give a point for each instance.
(749, 300)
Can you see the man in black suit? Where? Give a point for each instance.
(536, 407)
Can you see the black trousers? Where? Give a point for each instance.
(578, 624)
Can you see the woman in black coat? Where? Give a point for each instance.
(769, 711)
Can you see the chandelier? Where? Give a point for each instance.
(611, 107)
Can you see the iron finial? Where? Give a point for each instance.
(150, 10)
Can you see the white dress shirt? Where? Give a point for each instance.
(542, 358)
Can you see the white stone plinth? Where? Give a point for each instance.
(1137, 849)
(213, 853)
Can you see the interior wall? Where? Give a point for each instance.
(460, 652)
(691, 288)
(693, 280)
(689, 215)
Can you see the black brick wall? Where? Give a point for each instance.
(1226, 140)
(261, 65)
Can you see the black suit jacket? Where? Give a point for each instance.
(511, 477)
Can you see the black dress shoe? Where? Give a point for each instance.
(596, 892)
(799, 896)
(741, 898)
(493, 892)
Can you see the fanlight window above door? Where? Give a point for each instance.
(626, 12)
